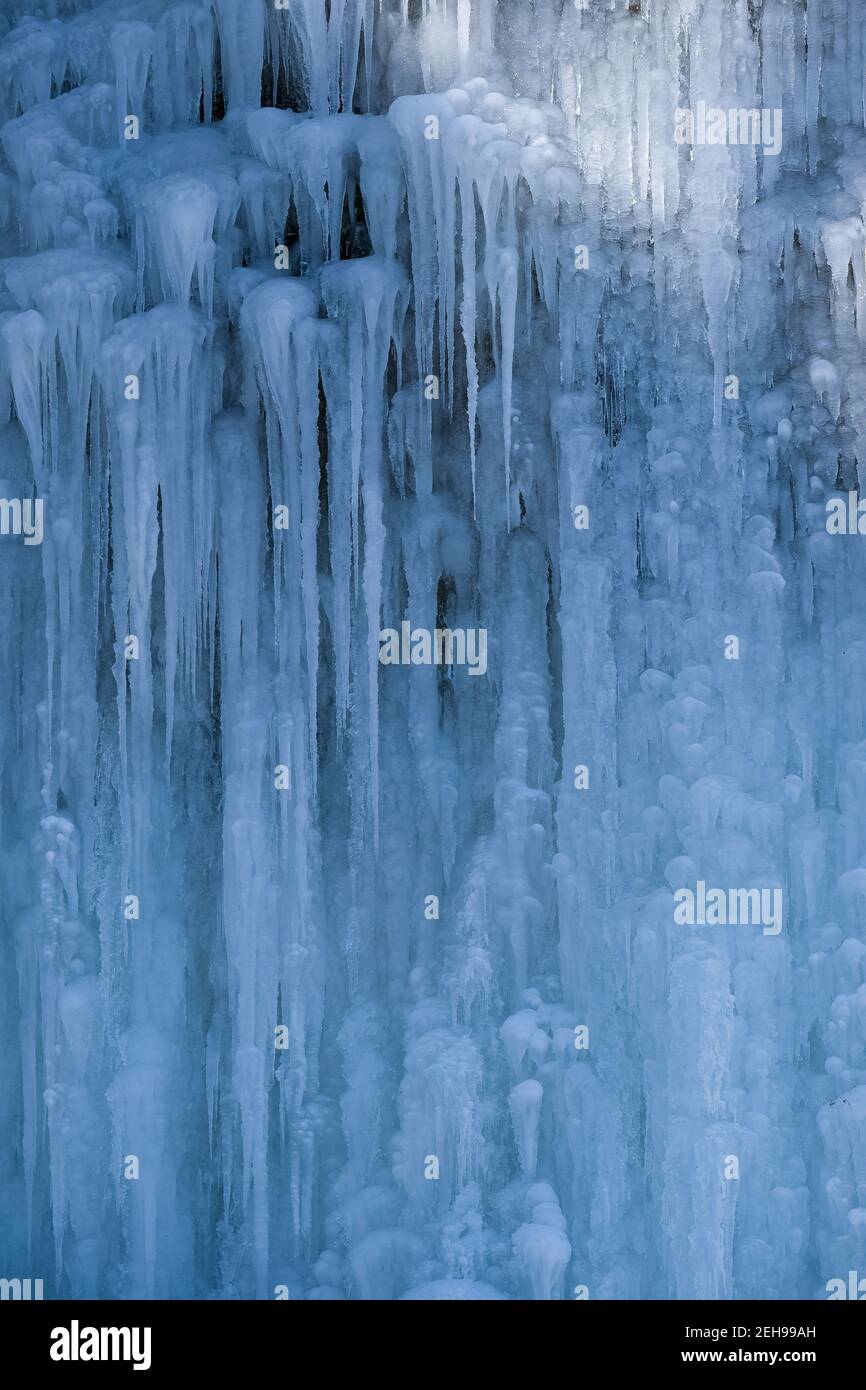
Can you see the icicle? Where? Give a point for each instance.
(132, 47)
(241, 26)
(369, 297)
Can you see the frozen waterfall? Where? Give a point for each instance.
(433, 667)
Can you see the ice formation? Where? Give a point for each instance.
(329, 979)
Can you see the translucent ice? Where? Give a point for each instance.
(339, 342)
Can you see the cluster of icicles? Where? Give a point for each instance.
(338, 333)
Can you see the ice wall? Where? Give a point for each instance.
(328, 977)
